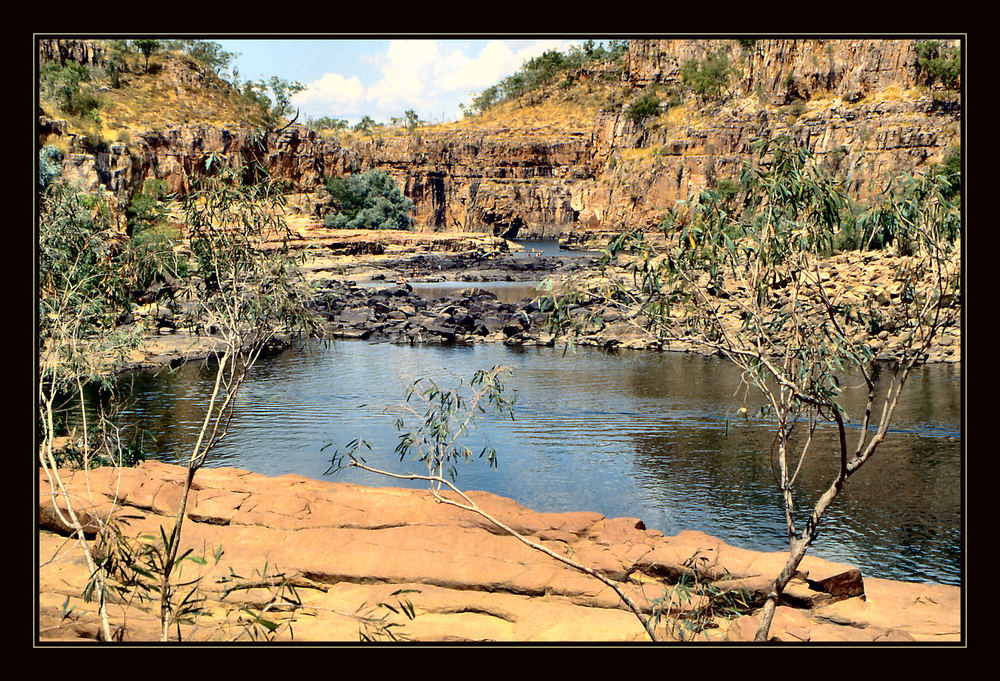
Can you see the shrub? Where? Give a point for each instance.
(545, 69)
(49, 165)
(951, 168)
(709, 77)
(939, 63)
(369, 200)
(63, 85)
(211, 55)
(144, 208)
(327, 123)
(82, 266)
(727, 189)
(647, 104)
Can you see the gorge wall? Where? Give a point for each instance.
(860, 105)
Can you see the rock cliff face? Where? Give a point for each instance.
(787, 69)
(857, 104)
(860, 105)
(63, 50)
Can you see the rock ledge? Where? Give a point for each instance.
(347, 548)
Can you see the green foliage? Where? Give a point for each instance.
(63, 85)
(432, 435)
(914, 213)
(545, 69)
(152, 240)
(939, 63)
(136, 569)
(100, 453)
(145, 208)
(84, 277)
(369, 200)
(412, 120)
(211, 55)
(709, 77)
(327, 123)
(951, 172)
(698, 602)
(247, 282)
(116, 62)
(278, 104)
(147, 47)
(644, 106)
(727, 189)
(208, 53)
(49, 166)
(365, 125)
(376, 622)
(486, 99)
(447, 416)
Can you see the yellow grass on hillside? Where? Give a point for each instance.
(176, 89)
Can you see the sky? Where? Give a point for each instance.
(349, 79)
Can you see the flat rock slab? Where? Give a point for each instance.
(355, 558)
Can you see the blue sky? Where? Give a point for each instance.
(350, 78)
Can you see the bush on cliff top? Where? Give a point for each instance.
(709, 77)
(543, 69)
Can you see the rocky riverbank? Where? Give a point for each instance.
(370, 287)
(346, 548)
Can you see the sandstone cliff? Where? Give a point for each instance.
(860, 105)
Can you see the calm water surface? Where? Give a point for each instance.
(638, 434)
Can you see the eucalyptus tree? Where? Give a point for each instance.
(742, 278)
(148, 47)
(244, 285)
(248, 288)
(82, 283)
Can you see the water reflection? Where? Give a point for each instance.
(505, 291)
(550, 248)
(631, 434)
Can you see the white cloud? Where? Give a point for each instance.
(407, 69)
(495, 61)
(429, 76)
(332, 93)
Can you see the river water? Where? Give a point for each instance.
(638, 434)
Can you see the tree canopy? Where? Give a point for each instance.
(368, 200)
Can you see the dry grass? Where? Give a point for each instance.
(553, 110)
(175, 90)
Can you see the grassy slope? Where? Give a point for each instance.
(176, 89)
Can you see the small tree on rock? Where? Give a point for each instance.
(147, 48)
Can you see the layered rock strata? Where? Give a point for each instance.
(345, 548)
(862, 106)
